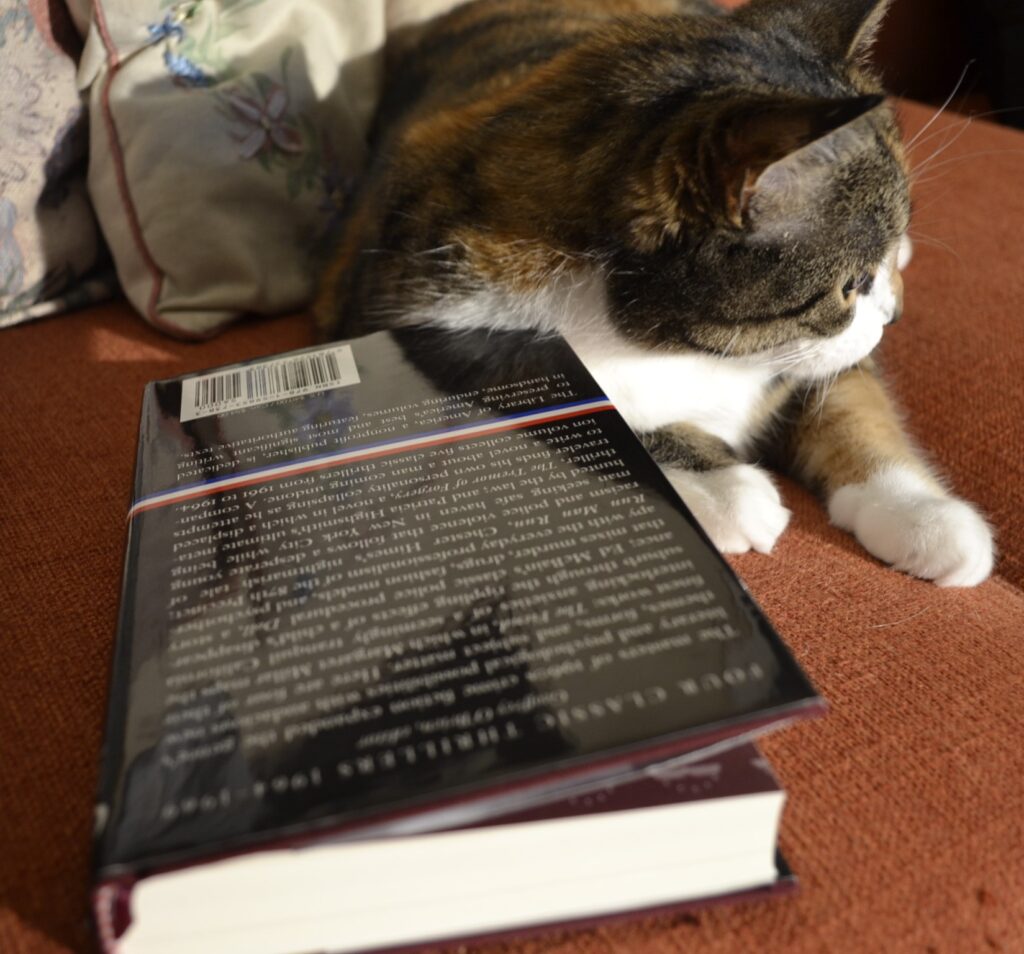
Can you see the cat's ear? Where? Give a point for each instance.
(757, 136)
(841, 29)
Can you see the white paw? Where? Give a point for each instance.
(903, 520)
(738, 506)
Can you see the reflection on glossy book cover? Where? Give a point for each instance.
(407, 571)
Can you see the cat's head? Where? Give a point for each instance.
(765, 211)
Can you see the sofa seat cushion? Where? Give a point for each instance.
(905, 819)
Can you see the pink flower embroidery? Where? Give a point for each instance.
(265, 123)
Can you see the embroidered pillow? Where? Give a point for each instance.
(224, 135)
(48, 236)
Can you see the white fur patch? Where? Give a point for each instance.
(902, 519)
(653, 390)
(566, 301)
(650, 389)
(738, 507)
(810, 359)
(905, 252)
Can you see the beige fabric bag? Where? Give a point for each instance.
(224, 135)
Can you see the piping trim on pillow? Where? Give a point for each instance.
(134, 227)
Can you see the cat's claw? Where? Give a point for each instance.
(900, 519)
(738, 507)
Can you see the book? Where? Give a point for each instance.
(668, 836)
(382, 600)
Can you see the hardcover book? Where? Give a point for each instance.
(417, 642)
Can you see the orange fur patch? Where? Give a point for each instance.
(850, 433)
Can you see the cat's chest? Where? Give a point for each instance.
(724, 398)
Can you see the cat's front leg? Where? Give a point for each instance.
(736, 503)
(848, 443)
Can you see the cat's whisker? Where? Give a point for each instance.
(785, 359)
(732, 343)
(436, 251)
(970, 118)
(953, 160)
(956, 125)
(944, 106)
(936, 243)
(931, 163)
(823, 393)
(988, 113)
(949, 143)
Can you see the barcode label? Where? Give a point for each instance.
(267, 381)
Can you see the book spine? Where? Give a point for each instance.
(111, 754)
(111, 910)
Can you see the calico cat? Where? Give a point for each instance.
(710, 207)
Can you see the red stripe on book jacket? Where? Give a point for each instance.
(229, 485)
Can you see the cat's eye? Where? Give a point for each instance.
(859, 284)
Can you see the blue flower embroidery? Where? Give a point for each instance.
(185, 70)
(172, 31)
(171, 26)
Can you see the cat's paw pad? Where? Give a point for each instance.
(901, 520)
(738, 506)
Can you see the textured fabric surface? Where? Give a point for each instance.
(48, 235)
(223, 139)
(906, 804)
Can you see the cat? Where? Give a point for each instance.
(711, 207)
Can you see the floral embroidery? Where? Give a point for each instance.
(186, 72)
(265, 130)
(171, 26)
(191, 53)
(178, 51)
(264, 123)
(258, 106)
(269, 118)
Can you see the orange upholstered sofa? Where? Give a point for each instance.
(906, 815)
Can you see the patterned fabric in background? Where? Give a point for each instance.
(49, 242)
(225, 135)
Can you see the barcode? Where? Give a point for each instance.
(295, 375)
(224, 387)
(267, 381)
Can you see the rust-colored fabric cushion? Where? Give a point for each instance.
(905, 819)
